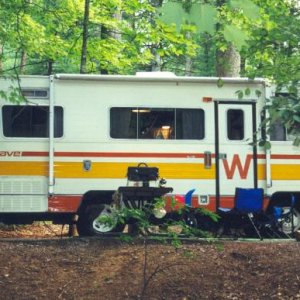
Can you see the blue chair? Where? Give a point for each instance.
(249, 200)
(248, 204)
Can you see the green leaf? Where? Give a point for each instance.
(240, 94)
(235, 35)
(250, 9)
(267, 145)
(296, 141)
(204, 16)
(296, 118)
(220, 83)
(258, 93)
(247, 91)
(173, 13)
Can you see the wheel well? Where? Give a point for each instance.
(284, 199)
(95, 197)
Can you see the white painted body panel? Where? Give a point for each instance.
(86, 101)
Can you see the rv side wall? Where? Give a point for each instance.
(105, 125)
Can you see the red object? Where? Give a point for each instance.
(207, 99)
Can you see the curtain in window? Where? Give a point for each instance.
(189, 124)
(122, 123)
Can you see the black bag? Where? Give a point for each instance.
(142, 173)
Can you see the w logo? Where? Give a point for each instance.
(236, 164)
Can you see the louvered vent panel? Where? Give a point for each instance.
(23, 194)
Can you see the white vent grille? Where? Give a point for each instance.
(35, 93)
(23, 194)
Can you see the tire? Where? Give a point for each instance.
(89, 225)
(190, 219)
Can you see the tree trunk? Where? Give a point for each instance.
(23, 62)
(188, 59)
(228, 62)
(188, 66)
(85, 36)
(104, 32)
(50, 67)
(156, 63)
(118, 17)
(1, 54)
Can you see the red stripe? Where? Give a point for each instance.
(142, 154)
(284, 156)
(71, 203)
(35, 153)
(116, 154)
(64, 203)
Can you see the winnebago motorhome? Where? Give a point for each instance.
(67, 148)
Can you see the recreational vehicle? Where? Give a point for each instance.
(66, 149)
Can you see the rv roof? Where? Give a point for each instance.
(144, 76)
(155, 74)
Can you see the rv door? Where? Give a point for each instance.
(236, 164)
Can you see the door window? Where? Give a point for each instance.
(235, 124)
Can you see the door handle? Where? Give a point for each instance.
(207, 159)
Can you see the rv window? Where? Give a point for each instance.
(156, 123)
(277, 132)
(235, 124)
(30, 121)
(189, 124)
(123, 123)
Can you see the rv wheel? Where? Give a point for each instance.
(89, 223)
(190, 220)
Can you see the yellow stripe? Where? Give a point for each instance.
(28, 168)
(261, 172)
(119, 170)
(285, 172)
(103, 170)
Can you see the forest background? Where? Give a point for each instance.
(232, 38)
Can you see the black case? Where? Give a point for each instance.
(142, 173)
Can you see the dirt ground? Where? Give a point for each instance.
(43, 263)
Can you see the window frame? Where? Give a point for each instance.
(202, 131)
(58, 127)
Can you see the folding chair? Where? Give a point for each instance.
(248, 204)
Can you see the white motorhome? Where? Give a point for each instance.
(66, 149)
